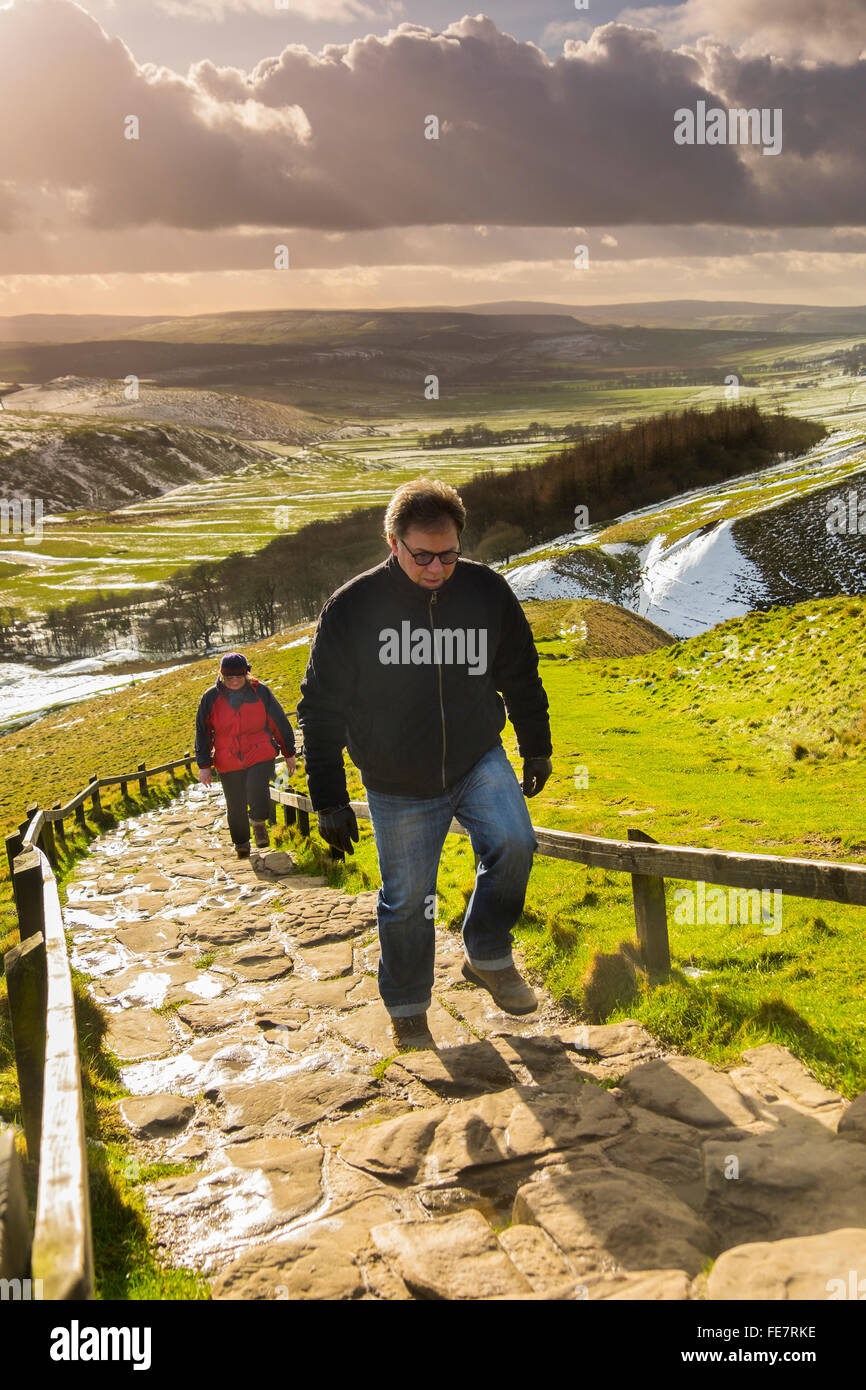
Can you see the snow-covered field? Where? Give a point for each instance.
(28, 691)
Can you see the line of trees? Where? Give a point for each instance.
(480, 436)
(246, 597)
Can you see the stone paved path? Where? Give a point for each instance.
(528, 1159)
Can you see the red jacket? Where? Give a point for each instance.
(237, 738)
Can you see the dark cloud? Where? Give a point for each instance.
(335, 140)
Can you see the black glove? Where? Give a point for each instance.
(338, 827)
(535, 773)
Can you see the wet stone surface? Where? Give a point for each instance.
(522, 1158)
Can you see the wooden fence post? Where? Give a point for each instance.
(124, 792)
(648, 893)
(26, 982)
(80, 815)
(289, 815)
(27, 886)
(47, 840)
(304, 823)
(187, 761)
(142, 781)
(97, 804)
(13, 848)
(60, 829)
(272, 811)
(14, 1217)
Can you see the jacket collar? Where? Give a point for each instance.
(413, 592)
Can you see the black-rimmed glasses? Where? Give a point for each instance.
(426, 557)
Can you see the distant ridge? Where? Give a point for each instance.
(744, 315)
(266, 324)
(67, 328)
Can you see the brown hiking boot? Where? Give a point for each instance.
(243, 851)
(260, 833)
(411, 1032)
(507, 986)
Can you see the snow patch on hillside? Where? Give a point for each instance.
(697, 582)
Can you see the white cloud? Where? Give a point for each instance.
(821, 30)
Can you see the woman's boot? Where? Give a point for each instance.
(260, 832)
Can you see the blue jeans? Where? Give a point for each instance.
(410, 835)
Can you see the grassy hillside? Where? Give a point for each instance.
(75, 462)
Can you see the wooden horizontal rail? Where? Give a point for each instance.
(62, 1245)
(800, 878)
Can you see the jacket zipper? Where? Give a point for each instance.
(441, 703)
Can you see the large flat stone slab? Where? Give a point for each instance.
(211, 1017)
(323, 1261)
(216, 1211)
(325, 962)
(452, 1257)
(320, 994)
(549, 1061)
(612, 1042)
(455, 1071)
(146, 937)
(155, 1117)
(260, 963)
(217, 927)
(295, 1102)
(780, 1088)
(134, 1034)
(789, 1074)
(518, 1123)
(316, 917)
(796, 1181)
(688, 1089)
(145, 984)
(816, 1267)
(598, 1218)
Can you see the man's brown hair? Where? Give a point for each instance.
(425, 503)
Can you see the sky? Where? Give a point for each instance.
(197, 156)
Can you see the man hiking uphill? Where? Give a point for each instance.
(404, 671)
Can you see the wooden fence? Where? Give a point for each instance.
(56, 1261)
(43, 1018)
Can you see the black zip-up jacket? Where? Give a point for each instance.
(417, 712)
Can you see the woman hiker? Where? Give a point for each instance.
(239, 728)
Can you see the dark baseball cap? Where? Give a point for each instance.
(235, 662)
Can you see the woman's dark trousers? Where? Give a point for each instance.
(247, 788)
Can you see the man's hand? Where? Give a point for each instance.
(338, 827)
(205, 776)
(535, 773)
(291, 764)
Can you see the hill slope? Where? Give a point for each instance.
(93, 464)
(239, 416)
(717, 552)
